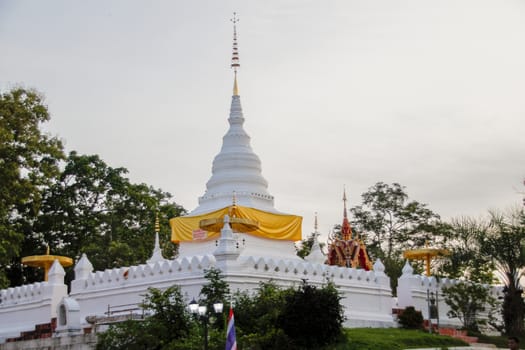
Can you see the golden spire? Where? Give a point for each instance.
(346, 229)
(235, 55)
(157, 223)
(235, 86)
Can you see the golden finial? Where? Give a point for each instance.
(234, 199)
(235, 86)
(235, 55)
(157, 223)
(47, 249)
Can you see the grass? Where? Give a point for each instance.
(499, 341)
(392, 339)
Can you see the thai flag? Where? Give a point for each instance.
(231, 341)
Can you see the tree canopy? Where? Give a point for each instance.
(29, 162)
(504, 245)
(275, 318)
(167, 327)
(389, 223)
(466, 301)
(75, 204)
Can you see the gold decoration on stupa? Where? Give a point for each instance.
(237, 224)
(45, 261)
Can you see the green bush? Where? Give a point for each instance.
(409, 318)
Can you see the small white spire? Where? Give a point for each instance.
(83, 268)
(316, 255)
(56, 273)
(157, 252)
(407, 269)
(227, 248)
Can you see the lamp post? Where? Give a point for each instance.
(201, 311)
(432, 309)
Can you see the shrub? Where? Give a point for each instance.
(409, 318)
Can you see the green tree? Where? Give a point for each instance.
(275, 318)
(216, 290)
(168, 327)
(466, 301)
(93, 208)
(504, 245)
(466, 260)
(308, 307)
(256, 317)
(390, 223)
(28, 162)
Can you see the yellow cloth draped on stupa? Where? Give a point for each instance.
(269, 225)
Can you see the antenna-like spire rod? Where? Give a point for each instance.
(235, 55)
(315, 223)
(344, 201)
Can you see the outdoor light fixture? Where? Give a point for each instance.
(201, 312)
(433, 312)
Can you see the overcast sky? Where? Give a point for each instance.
(429, 94)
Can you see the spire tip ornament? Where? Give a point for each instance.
(235, 55)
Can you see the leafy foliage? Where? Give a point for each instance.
(93, 208)
(390, 223)
(410, 318)
(289, 318)
(466, 260)
(28, 162)
(256, 317)
(504, 245)
(169, 324)
(466, 300)
(214, 291)
(306, 309)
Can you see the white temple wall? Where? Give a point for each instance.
(21, 308)
(413, 291)
(366, 294)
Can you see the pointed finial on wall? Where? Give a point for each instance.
(157, 252)
(235, 55)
